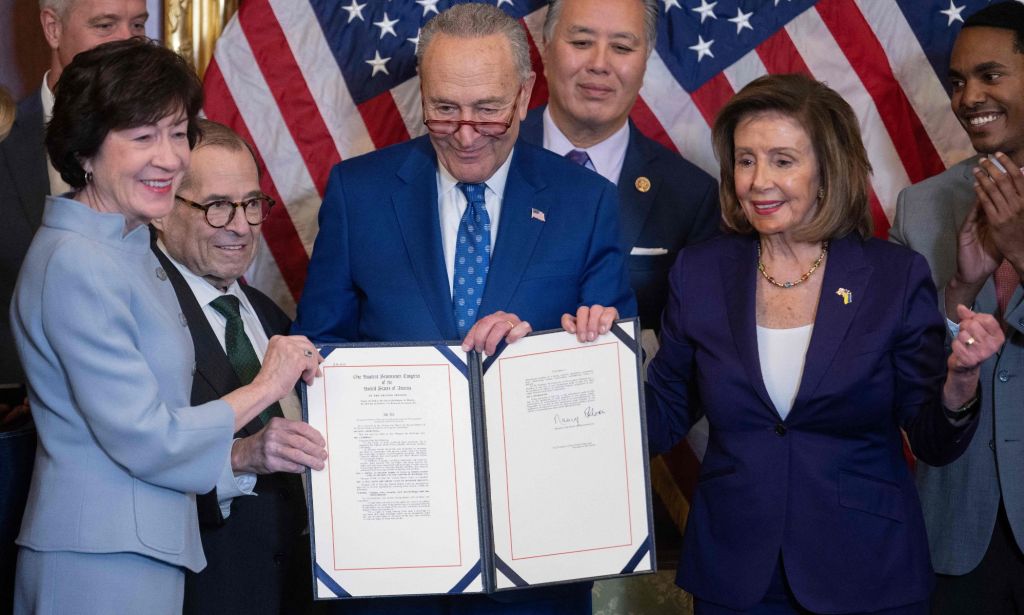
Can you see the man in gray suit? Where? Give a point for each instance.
(26, 177)
(973, 239)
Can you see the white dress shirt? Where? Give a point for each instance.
(231, 484)
(57, 183)
(607, 156)
(451, 204)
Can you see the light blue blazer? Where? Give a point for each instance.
(109, 362)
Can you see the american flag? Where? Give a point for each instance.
(313, 82)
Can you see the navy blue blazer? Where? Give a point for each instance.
(378, 273)
(828, 487)
(679, 209)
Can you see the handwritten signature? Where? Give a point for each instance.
(588, 412)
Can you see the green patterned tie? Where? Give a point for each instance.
(240, 351)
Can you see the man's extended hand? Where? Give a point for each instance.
(590, 322)
(281, 446)
(490, 330)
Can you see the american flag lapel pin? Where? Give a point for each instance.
(536, 214)
(847, 295)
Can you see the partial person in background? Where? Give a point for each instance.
(17, 441)
(809, 346)
(969, 223)
(110, 525)
(252, 523)
(404, 251)
(26, 177)
(595, 56)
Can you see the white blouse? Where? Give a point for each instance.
(782, 353)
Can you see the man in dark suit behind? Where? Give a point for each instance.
(252, 523)
(595, 56)
(69, 26)
(404, 251)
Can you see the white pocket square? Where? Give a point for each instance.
(648, 251)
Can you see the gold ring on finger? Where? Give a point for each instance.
(970, 341)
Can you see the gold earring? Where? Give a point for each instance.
(821, 193)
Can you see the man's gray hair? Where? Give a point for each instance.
(477, 20)
(650, 20)
(59, 7)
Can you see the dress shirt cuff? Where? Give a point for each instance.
(954, 328)
(231, 485)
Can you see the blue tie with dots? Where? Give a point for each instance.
(472, 258)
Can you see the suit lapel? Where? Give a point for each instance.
(517, 233)
(415, 203)
(738, 277)
(845, 269)
(212, 365)
(634, 205)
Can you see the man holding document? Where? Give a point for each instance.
(467, 234)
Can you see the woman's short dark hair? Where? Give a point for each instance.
(117, 85)
(843, 166)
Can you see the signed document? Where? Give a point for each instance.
(450, 472)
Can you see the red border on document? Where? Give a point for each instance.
(625, 456)
(455, 473)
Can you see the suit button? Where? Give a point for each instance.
(279, 559)
(992, 444)
(161, 274)
(780, 429)
(1003, 375)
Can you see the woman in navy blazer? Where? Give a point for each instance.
(808, 346)
(110, 524)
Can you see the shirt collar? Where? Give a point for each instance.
(495, 183)
(606, 156)
(47, 98)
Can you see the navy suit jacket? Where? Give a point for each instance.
(828, 487)
(378, 272)
(24, 184)
(680, 209)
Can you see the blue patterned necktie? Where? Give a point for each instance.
(472, 258)
(581, 158)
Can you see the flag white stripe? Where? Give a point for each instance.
(323, 77)
(745, 70)
(270, 134)
(678, 115)
(924, 90)
(826, 61)
(407, 98)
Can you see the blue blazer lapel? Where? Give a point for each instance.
(518, 232)
(415, 203)
(634, 205)
(739, 279)
(846, 269)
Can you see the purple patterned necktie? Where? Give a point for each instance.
(581, 158)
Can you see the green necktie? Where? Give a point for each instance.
(240, 351)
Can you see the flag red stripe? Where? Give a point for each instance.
(710, 97)
(865, 53)
(780, 55)
(284, 79)
(648, 124)
(539, 96)
(278, 230)
(383, 121)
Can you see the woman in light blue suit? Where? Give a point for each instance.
(809, 347)
(110, 524)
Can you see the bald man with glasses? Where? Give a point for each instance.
(252, 523)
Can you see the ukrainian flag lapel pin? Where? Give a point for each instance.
(847, 295)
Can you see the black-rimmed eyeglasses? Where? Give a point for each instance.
(487, 129)
(220, 213)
